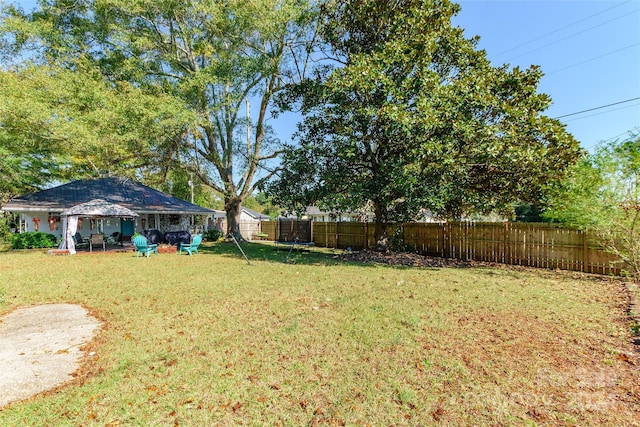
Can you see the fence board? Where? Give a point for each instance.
(270, 228)
(351, 235)
(426, 239)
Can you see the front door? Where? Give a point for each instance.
(126, 229)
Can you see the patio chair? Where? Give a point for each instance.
(142, 247)
(191, 247)
(79, 241)
(97, 239)
(114, 238)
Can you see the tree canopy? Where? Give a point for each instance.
(199, 60)
(410, 115)
(61, 124)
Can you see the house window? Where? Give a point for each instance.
(174, 219)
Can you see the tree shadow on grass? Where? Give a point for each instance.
(270, 252)
(298, 255)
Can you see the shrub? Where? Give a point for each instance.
(5, 234)
(33, 240)
(213, 235)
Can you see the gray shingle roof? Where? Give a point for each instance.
(126, 192)
(255, 215)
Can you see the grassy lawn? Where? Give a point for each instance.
(210, 340)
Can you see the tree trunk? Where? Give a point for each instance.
(382, 241)
(233, 207)
(380, 230)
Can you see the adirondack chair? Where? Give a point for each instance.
(142, 247)
(191, 247)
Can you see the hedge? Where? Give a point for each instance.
(33, 240)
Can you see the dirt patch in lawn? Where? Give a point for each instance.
(402, 259)
(41, 347)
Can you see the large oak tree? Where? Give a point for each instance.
(210, 55)
(408, 115)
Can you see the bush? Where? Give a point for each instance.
(33, 240)
(5, 234)
(213, 235)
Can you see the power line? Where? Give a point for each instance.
(613, 138)
(600, 113)
(598, 108)
(592, 59)
(559, 29)
(626, 132)
(571, 35)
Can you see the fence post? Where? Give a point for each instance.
(326, 234)
(585, 251)
(366, 235)
(445, 246)
(404, 244)
(505, 239)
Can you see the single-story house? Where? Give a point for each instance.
(314, 213)
(45, 210)
(249, 222)
(251, 215)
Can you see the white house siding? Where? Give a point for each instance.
(28, 225)
(329, 218)
(248, 224)
(108, 226)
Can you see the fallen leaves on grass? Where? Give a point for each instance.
(401, 259)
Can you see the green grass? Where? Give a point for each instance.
(210, 340)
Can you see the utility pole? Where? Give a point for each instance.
(248, 128)
(193, 218)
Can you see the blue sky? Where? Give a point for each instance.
(589, 51)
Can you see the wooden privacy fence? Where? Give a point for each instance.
(533, 245)
(287, 230)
